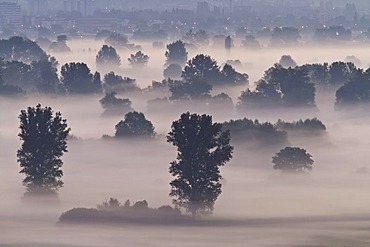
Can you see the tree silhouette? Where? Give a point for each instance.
(138, 59)
(135, 125)
(281, 87)
(115, 106)
(293, 160)
(355, 92)
(44, 137)
(251, 43)
(202, 68)
(77, 78)
(21, 49)
(285, 36)
(176, 53)
(9, 90)
(232, 77)
(341, 72)
(117, 83)
(117, 40)
(44, 74)
(60, 45)
(107, 58)
(286, 61)
(173, 71)
(200, 37)
(202, 148)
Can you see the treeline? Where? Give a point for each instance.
(26, 68)
(113, 211)
(242, 131)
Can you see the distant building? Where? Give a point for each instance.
(37, 7)
(93, 24)
(10, 14)
(85, 7)
(321, 16)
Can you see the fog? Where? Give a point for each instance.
(258, 206)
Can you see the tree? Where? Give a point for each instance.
(77, 78)
(199, 37)
(44, 74)
(286, 61)
(173, 71)
(117, 40)
(9, 90)
(221, 101)
(44, 137)
(251, 43)
(60, 45)
(138, 59)
(202, 68)
(293, 160)
(176, 53)
(135, 125)
(255, 132)
(21, 49)
(332, 34)
(285, 36)
(232, 77)
(202, 148)
(341, 72)
(318, 74)
(265, 95)
(107, 58)
(115, 106)
(356, 91)
(190, 90)
(310, 126)
(117, 83)
(281, 87)
(17, 73)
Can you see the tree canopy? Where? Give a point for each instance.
(117, 83)
(176, 53)
(138, 59)
(281, 87)
(285, 36)
(203, 68)
(135, 125)
(356, 91)
(202, 148)
(107, 58)
(115, 106)
(309, 126)
(44, 135)
(293, 160)
(60, 45)
(21, 49)
(252, 132)
(77, 78)
(39, 76)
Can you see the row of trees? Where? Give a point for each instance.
(202, 145)
(26, 67)
(108, 59)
